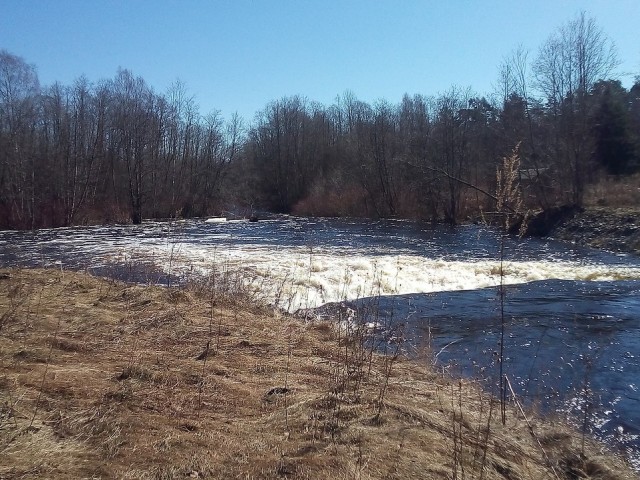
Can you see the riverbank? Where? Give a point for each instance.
(613, 229)
(103, 379)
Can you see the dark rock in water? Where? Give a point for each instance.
(253, 218)
(542, 224)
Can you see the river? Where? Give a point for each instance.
(571, 314)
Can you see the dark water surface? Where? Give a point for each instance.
(569, 346)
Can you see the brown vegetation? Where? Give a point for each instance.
(102, 379)
(614, 192)
(609, 220)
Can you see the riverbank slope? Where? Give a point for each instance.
(102, 379)
(609, 228)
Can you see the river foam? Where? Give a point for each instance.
(304, 263)
(301, 278)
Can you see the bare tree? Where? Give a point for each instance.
(451, 147)
(520, 124)
(277, 141)
(131, 126)
(19, 90)
(574, 57)
(379, 168)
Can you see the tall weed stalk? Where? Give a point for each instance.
(508, 205)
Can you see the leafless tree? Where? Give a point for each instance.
(19, 90)
(569, 63)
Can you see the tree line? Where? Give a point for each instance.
(118, 151)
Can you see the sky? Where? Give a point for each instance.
(239, 55)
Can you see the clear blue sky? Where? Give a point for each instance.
(238, 55)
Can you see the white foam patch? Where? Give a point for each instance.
(295, 277)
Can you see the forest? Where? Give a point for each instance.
(117, 151)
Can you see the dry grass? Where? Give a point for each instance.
(610, 191)
(101, 380)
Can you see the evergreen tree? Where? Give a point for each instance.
(613, 143)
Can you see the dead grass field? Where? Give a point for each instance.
(614, 192)
(101, 379)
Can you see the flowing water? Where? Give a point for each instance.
(571, 314)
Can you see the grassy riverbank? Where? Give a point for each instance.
(613, 229)
(610, 219)
(101, 379)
